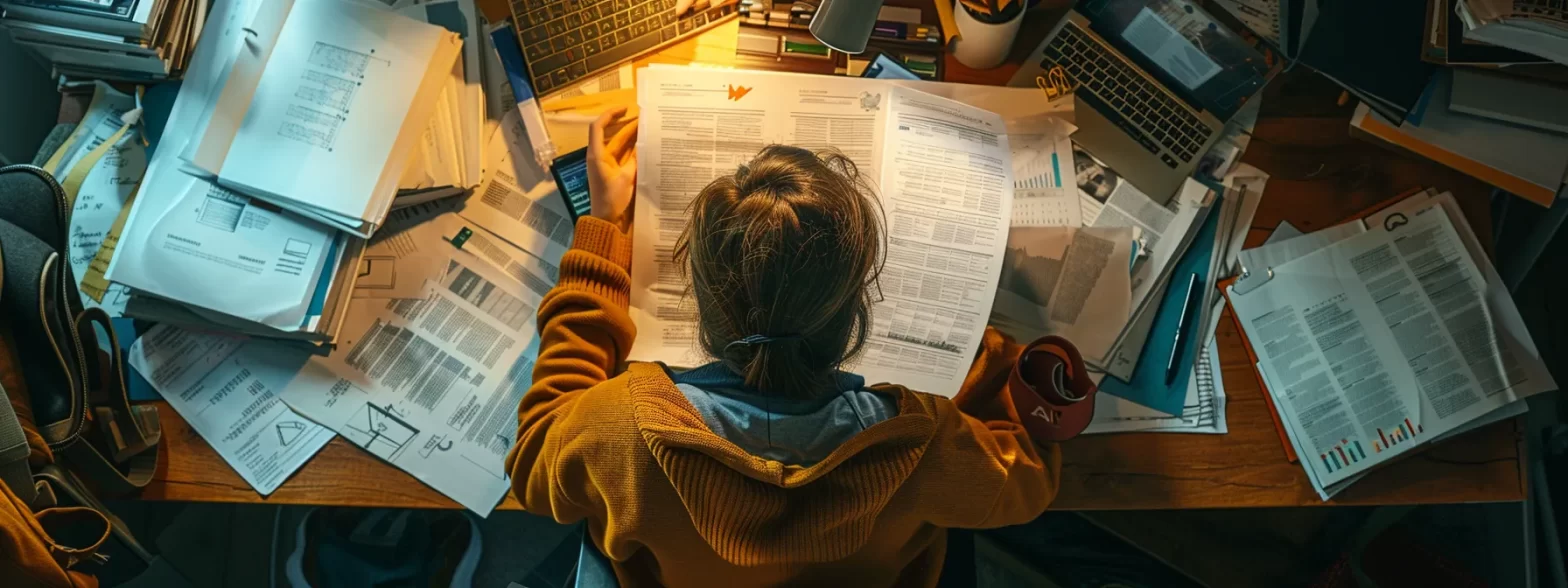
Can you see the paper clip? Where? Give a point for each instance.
(1055, 83)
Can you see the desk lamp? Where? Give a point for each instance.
(845, 25)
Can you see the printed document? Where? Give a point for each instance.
(255, 262)
(338, 110)
(1042, 195)
(431, 384)
(1071, 282)
(1387, 339)
(1203, 411)
(107, 182)
(943, 170)
(518, 199)
(227, 389)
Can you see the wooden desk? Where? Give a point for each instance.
(1320, 176)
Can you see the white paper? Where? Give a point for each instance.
(1385, 340)
(1043, 196)
(432, 384)
(253, 261)
(1067, 281)
(944, 175)
(222, 38)
(328, 121)
(1202, 412)
(102, 119)
(518, 200)
(106, 187)
(227, 389)
(398, 262)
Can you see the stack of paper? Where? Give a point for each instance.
(120, 40)
(1529, 162)
(1383, 335)
(191, 252)
(327, 106)
(1531, 26)
(448, 161)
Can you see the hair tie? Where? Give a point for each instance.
(756, 340)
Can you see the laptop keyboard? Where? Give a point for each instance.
(566, 41)
(1148, 113)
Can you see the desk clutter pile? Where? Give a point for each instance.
(332, 234)
(122, 40)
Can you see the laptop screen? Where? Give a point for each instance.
(1198, 58)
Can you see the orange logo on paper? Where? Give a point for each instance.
(738, 92)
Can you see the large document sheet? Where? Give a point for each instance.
(227, 389)
(1387, 339)
(431, 384)
(943, 171)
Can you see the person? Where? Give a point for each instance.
(772, 464)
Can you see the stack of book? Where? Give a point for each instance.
(114, 40)
(284, 152)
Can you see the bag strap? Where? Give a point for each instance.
(14, 471)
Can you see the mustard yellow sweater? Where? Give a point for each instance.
(671, 503)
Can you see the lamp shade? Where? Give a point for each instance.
(845, 25)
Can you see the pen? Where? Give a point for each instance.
(1181, 330)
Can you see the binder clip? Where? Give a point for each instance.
(1249, 281)
(1055, 83)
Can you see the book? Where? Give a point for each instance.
(127, 18)
(323, 115)
(22, 30)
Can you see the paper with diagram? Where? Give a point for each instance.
(257, 262)
(227, 389)
(1384, 340)
(1042, 195)
(342, 99)
(944, 174)
(431, 384)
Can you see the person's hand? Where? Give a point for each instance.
(612, 168)
(681, 6)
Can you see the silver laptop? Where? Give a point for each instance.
(1156, 82)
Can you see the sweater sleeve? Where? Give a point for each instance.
(585, 333)
(1018, 478)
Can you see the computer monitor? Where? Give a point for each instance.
(1203, 62)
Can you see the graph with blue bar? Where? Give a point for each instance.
(1342, 455)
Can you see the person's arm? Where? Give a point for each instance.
(585, 330)
(1010, 479)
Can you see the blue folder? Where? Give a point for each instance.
(1147, 386)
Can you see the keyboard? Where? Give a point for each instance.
(1163, 125)
(566, 41)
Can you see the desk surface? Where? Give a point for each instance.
(1320, 175)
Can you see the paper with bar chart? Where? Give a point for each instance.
(1383, 341)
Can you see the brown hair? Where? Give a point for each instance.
(788, 248)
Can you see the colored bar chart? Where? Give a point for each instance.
(1342, 455)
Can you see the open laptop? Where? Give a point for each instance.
(1156, 81)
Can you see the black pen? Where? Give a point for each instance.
(1181, 329)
